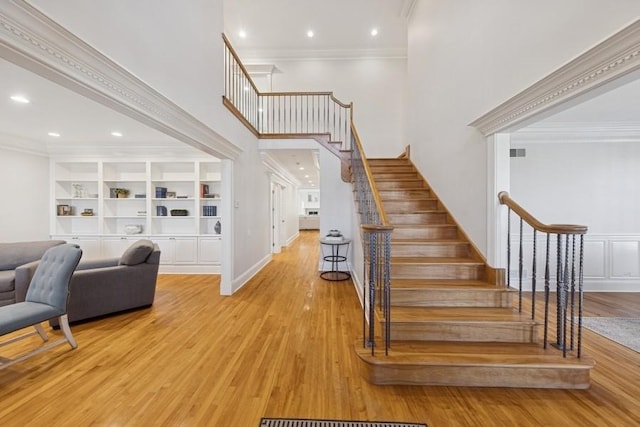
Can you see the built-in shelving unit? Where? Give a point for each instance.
(174, 203)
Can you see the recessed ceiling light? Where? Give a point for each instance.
(115, 133)
(306, 176)
(20, 98)
(374, 32)
(301, 168)
(54, 134)
(310, 33)
(242, 34)
(310, 182)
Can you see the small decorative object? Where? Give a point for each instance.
(183, 197)
(209, 211)
(141, 213)
(64, 210)
(121, 193)
(140, 196)
(334, 235)
(179, 212)
(161, 192)
(133, 229)
(218, 227)
(161, 210)
(87, 212)
(204, 190)
(78, 191)
(171, 194)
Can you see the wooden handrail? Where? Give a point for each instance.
(504, 198)
(237, 58)
(374, 189)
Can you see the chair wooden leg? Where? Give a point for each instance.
(41, 332)
(64, 326)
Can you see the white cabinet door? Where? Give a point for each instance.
(185, 250)
(114, 247)
(90, 246)
(177, 250)
(209, 250)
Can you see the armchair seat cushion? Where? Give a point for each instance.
(17, 316)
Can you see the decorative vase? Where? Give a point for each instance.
(218, 227)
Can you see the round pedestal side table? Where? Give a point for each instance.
(334, 252)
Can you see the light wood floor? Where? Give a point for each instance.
(282, 346)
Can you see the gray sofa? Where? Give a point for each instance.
(105, 286)
(18, 261)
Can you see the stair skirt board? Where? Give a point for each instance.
(472, 375)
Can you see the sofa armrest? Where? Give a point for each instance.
(90, 264)
(24, 274)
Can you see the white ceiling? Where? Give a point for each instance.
(278, 28)
(79, 120)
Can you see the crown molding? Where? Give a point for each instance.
(277, 169)
(611, 59)
(407, 8)
(317, 54)
(578, 132)
(23, 145)
(32, 40)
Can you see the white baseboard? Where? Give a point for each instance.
(241, 280)
(293, 238)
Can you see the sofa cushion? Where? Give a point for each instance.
(137, 253)
(15, 254)
(7, 280)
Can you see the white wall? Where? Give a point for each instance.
(25, 209)
(337, 198)
(177, 49)
(377, 88)
(467, 57)
(592, 184)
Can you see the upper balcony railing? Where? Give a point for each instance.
(283, 114)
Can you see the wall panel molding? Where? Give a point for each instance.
(611, 262)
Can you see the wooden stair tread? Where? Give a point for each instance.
(434, 260)
(454, 285)
(428, 242)
(457, 314)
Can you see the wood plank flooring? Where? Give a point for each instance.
(282, 346)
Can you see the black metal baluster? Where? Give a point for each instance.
(372, 284)
(580, 294)
(520, 270)
(559, 276)
(547, 269)
(509, 247)
(573, 289)
(534, 275)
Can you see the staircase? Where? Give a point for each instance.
(452, 316)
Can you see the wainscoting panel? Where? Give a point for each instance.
(611, 262)
(624, 259)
